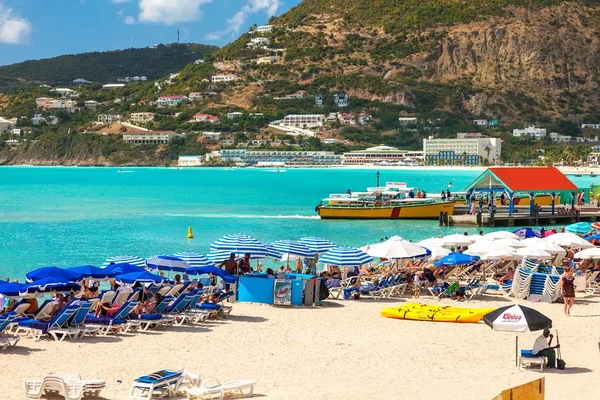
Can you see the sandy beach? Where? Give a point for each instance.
(344, 350)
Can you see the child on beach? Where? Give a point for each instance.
(416, 285)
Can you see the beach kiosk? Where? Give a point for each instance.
(286, 289)
(518, 181)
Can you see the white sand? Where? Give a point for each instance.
(345, 350)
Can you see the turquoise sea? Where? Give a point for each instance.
(73, 216)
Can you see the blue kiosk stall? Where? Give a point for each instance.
(281, 289)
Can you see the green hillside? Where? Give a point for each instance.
(104, 67)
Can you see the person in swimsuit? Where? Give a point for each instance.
(230, 265)
(429, 275)
(568, 290)
(244, 264)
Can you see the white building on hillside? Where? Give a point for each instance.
(466, 149)
(189, 161)
(532, 131)
(109, 118)
(170, 101)
(407, 120)
(141, 117)
(6, 125)
(65, 92)
(381, 154)
(113, 86)
(148, 137)
(264, 29)
(590, 126)
(223, 78)
(303, 120)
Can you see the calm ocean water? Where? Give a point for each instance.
(75, 216)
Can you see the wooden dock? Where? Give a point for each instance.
(522, 218)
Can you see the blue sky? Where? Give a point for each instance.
(32, 29)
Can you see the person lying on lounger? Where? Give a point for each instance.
(106, 309)
(149, 305)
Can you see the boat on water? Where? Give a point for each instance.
(389, 202)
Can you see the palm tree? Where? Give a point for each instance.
(487, 150)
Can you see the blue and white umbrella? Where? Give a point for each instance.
(53, 272)
(48, 285)
(345, 257)
(133, 260)
(292, 248)
(240, 244)
(219, 256)
(89, 271)
(142, 277)
(317, 244)
(124, 268)
(195, 259)
(11, 289)
(167, 263)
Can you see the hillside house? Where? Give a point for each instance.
(205, 118)
(531, 131)
(91, 104)
(65, 92)
(109, 118)
(341, 100)
(170, 101)
(346, 118)
(407, 120)
(234, 115)
(6, 125)
(60, 104)
(364, 119)
(141, 117)
(195, 96)
(590, 126)
(319, 101)
(264, 29)
(331, 118)
(225, 78)
(109, 86)
(41, 101)
(258, 42)
(212, 135)
(267, 60)
(303, 120)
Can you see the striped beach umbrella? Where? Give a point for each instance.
(133, 260)
(292, 248)
(317, 244)
(167, 263)
(219, 256)
(240, 244)
(596, 226)
(345, 257)
(580, 228)
(195, 259)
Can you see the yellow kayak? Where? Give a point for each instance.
(426, 312)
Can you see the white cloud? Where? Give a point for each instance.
(235, 23)
(13, 29)
(170, 12)
(129, 20)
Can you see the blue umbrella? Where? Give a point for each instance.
(526, 233)
(167, 263)
(195, 259)
(580, 228)
(456, 258)
(133, 260)
(227, 277)
(142, 277)
(89, 271)
(240, 244)
(124, 268)
(317, 244)
(593, 237)
(345, 257)
(48, 285)
(53, 272)
(11, 289)
(292, 248)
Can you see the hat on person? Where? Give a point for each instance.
(546, 330)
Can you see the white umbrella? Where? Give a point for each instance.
(430, 243)
(592, 253)
(545, 245)
(500, 255)
(483, 247)
(476, 238)
(396, 248)
(532, 252)
(500, 235)
(438, 252)
(569, 240)
(456, 240)
(514, 243)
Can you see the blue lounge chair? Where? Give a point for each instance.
(145, 321)
(165, 382)
(78, 321)
(5, 321)
(529, 357)
(175, 313)
(117, 322)
(58, 326)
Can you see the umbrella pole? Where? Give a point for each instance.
(517, 350)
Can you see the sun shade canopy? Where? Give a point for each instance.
(523, 179)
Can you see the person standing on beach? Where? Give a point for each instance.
(229, 265)
(568, 290)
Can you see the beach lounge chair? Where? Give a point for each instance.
(377, 291)
(118, 322)
(122, 295)
(145, 321)
(70, 385)
(107, 296)
(528, 357)
(175, 290)
(162, 383)
(211, 387)
(447, 292)
(58, 327)
(175, 313)
(6, 340)
(78, 321)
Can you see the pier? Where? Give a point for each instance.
(518, 220)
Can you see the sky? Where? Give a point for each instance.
(34, 29)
